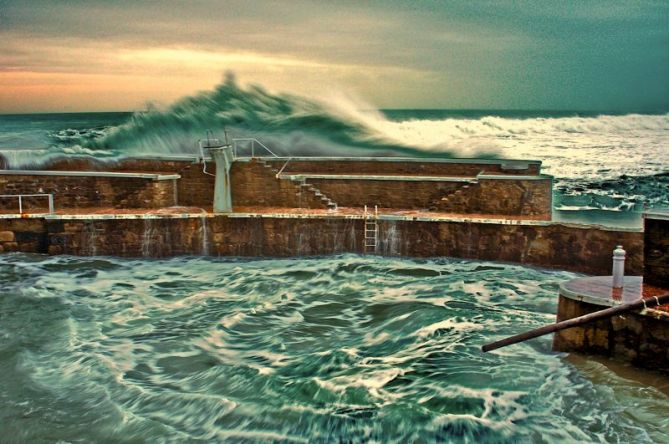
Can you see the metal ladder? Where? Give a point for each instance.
(371, 229)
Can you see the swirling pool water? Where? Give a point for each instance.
(334, 349)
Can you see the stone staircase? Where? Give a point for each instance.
(457, 201)
(307, 187)
(303, 188)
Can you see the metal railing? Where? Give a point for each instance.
(238, 144)
(20, 197)
(278, 175)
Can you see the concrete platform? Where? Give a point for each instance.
(389, 214)
(641, 338)
(597, 290)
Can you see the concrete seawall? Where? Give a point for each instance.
(539, 243)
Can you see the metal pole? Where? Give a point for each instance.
(20, 205)
(581, 320)
(51, 208)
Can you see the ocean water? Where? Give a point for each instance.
(332, 349)
(335, 349)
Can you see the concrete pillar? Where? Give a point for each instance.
(222, 188)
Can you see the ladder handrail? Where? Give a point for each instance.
(371, 220)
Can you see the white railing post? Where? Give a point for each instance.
(51, 208)
(618, 267)
(20, 205)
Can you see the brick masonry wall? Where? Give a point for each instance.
(129, 165)
(89, 191)
(255, 184)
(401, 168)
(195, 188)
(25, 235)
(386, 194)
(565, 247)
(503, 197)
(641, 340)
(323, 167)
(558, 246)
(656, 250)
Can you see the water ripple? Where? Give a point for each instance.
(343, 348)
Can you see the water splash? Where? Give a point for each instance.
(204, 237)
(288, 124)
(148, 238)
(89, 239)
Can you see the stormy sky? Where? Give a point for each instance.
(91, 55)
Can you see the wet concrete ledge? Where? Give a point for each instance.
(111, 174)
(416, 216)
(641, 338)
(580, 248)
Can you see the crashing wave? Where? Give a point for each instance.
(288, 124)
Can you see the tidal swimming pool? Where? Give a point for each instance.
(341, 348)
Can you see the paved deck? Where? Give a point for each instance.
(598, 290)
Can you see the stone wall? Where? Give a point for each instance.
(412, 168)
(255, 184)
(195, 188)
(639, 339)
(656, 252)
(502, 197)
(558, 246)
(25, 235)
(401, 194)
(88, 191)
(567, 247)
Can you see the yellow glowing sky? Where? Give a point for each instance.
(102, 55)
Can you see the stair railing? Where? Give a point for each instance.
(249, 141)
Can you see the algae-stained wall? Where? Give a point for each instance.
(583, 249)
(25, 235)
(657, 251)
(567, 247)
(639, 339)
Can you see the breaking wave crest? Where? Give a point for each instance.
(289, 125)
